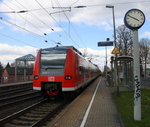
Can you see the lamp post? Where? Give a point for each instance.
(114, 26)
(115, 62)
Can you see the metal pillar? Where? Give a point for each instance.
(137, 83)
(106, 61)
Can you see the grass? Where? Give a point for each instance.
(125, 108)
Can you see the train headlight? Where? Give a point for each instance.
(36, 77)
(68, 77)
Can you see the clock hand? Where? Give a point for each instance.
(133, 17)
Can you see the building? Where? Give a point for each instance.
(1, 71)
(23, 74)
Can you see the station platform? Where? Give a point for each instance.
(94, 107)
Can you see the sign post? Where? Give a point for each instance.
(134, 19)
(106, 43)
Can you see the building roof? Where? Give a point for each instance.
(28, 57)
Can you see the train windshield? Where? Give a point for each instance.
(53, 62)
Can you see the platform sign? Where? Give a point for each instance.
(105, 43)
(115, 51)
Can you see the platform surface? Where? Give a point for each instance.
(93, 108)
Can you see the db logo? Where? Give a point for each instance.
(51, 79)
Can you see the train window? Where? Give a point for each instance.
(81, 70)
(53, 62)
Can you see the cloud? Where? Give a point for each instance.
(98, 56)
(10, 52)
(107, 26)
(146, 34)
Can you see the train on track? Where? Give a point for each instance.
(62, 70)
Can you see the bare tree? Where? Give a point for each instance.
(124, 40)
(144, 52)
(85, 53)
(124, 43)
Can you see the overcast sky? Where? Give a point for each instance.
(46, 22)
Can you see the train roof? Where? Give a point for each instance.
(64, 47)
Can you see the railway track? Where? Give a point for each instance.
(7, 101)
(10, 92)
(7, 91)
(15, 98)
(21, 106)
(14, 86)
(34, 115)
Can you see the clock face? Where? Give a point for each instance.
(134, 19)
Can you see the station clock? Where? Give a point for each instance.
(134, 19)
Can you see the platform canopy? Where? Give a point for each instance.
(24, 59)
(28, 57)
(125, 58)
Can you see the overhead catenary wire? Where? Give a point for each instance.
(43, 22)
(113, 3)
(52, 29)
(18, 26)
(24, 18)
(59, 6)
(74, 3)
(23, 28)
(23, 11)
(90, 5)
(17, 40)
(71, 24)
(36, 16)
(100, 4)
(56, 22)
(65, 16)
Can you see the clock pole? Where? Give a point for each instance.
(137, 82)
(134, 19)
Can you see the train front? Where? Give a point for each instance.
(49, 70)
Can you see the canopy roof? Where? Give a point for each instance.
(28, 57)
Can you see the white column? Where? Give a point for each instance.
(137, 83)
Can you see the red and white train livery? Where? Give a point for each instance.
(62, 69)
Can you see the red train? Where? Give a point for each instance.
(62, 70)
